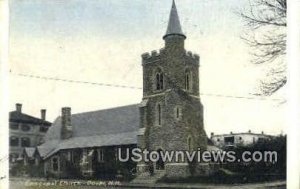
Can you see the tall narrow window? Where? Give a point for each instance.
(159, 80)
(70, 156)
(55, 164)
(177, 113)
(100, 155)
(188, 78)
(190, 143)
(159, 114)
(116, 155)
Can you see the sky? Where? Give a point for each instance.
(102, 41)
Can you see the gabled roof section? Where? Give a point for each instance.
(44, 149)
(110, 127)
(108, 121)
(174, 26)
(16, 116)
(29, 151)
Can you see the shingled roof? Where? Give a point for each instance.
(116, 126)
(16, 116)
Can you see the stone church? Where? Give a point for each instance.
(170, 117)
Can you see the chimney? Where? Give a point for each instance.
(262, 133)
(19, 107)
(43, 114)
(249, 131)
(66, 126)
(212, 134)
(231, 132)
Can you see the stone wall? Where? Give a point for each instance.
(179, 170)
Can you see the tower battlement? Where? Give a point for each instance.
(152, 56)
(193, 56)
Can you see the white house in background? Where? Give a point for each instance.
(238, 139)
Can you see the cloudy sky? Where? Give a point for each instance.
(101, 41)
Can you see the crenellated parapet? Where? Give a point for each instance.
(156, 55)
(191, 56)
(151, 57)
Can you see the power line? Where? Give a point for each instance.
(137, 88)
(77, 81)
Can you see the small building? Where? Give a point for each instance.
(25, 131)
(238, 139)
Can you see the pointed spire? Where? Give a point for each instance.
(174, 27)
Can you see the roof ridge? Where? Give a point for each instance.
(112, 108)
(97, 134)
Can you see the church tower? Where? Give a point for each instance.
(171, 113)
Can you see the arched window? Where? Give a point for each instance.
(190, 143)
(25, 127)
(159, 80)
(159, 114)
(188, 80)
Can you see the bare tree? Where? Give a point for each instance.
(266, 35)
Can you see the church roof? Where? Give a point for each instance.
(116, 126)
(47, 147)
(174, 26)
